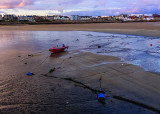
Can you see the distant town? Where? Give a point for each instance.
(60, 19)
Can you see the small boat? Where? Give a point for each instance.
(58, 49)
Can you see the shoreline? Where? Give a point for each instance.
(141, 28)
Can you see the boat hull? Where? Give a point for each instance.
(57, 50)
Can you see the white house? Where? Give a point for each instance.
(148, 18)
(59, 17)
(65, 18)
(85, 18)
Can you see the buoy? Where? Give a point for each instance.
(122, 43)
(30, 74)
(101, 98)
(151, 44)
(99, 46)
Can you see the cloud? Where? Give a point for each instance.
(7, 4)
(29, 12)
(85, 7)
(150, 2)
(69, 2)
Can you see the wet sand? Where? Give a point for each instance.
(78, 78)
(139, 28)
(74, 85)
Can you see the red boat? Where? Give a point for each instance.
(58, 49)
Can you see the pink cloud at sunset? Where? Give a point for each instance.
(83, 7)
(7, 4)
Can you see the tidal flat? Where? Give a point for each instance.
(124, 67)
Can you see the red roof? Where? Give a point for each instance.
(132, 17)
(146, 16)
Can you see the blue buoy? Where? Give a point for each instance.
(101, 98)
(29, 74)
(101, 95)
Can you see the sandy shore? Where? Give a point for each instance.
(145, 28)
(74, 85)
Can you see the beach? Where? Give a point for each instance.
(79, 75)
(135, 28)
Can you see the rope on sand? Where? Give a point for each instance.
(101, 91)
(77, 82)
(31, 55)
(100, 83)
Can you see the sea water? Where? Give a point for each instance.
(142, 51)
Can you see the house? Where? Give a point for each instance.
(22, 18)
(65, 18)
(9, 17)
(50, 18)
(156, 17)
(98, 19)
(148, 18)
(111, 18)
(60, 17)
(75, 17)
(122, 17)
(132, 18)
(57, 17)
(39, 18)
(85, 18)
(30, 18)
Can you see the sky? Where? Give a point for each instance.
(79, 7)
